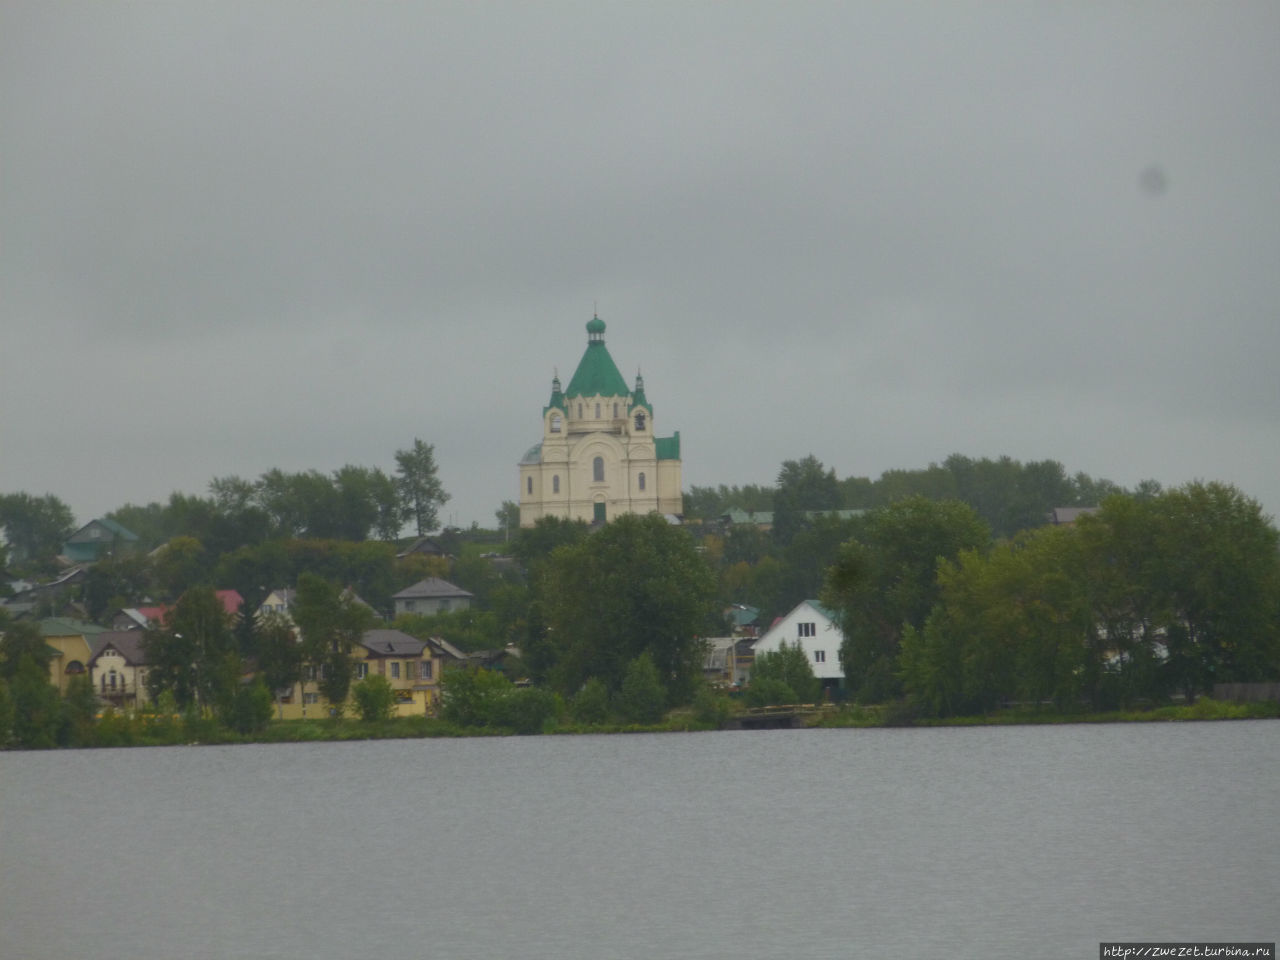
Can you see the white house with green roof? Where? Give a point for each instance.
(815, 629)
(599, 456)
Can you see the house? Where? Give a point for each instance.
(423, 546)
(813, 628)
(118, 667)
(599, 455)
(279, 602)
(728, 660)
(1066, 516)
(72, 644)
(412, 667)
(431, 596)
(139, 618)
(98, 539)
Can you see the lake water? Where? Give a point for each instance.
(964, 842)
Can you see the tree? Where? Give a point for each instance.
(642, 698)
(35, 527)
(888, 578)
(636, 586)
(193, 654)
(803, 485)
(332, 622)
(471, 696)
(421, 493)
(251, 706)
(21, 639)
(786, 668)
(375, 700)
(278, 653)
(37, 708)
(508, 517)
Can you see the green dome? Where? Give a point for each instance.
(595, 326)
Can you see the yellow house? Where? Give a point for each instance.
(411, 666)
(119, 668)
(72, 643)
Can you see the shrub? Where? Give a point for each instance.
(251, 707)
(710, 708)
(642, 698)
(471, 695)
(526, 710)
(591, 703)
(375, 700)
(769, 691)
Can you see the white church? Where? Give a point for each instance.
(599, 456)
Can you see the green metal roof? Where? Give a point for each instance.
(668, 448)
(597, 374)
(68, 627)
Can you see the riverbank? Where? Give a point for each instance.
(144, 730)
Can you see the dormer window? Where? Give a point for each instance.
(639, 423)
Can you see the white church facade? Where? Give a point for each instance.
(599, 456)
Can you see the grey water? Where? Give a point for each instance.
(960, 842)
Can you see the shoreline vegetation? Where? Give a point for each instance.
(144, 730)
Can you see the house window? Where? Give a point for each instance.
(362, 670)
(311, 698)
(409, 604)
(424, 670)
(555, 423)
(528, 485)
(555, 483)
(639, 422)
(819, 656)
(309, 672)
(443, 606)
(395, 669)
(806, 629)
(641, 481)
(597, 470)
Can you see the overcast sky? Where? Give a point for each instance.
(239, 236)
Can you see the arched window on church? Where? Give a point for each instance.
(597, 411)
(555, 483)
(597, 470)
(640, 422)
(555, 423)
(642, 481)
(615, 411)
(528, 485)
(579, 411)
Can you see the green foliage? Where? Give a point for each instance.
(332, 622)
(37, 708)
(251, 707)
(887, 578)
(642, 698)
(1173, 592)
(711, 708)
(194, 653)
(803, 485)
(419, 488)
(34, 528)
(471, 696)
(636, 586)
(21, 640)
(375, 700)
(80, 710)
(526, 710)
(788, 665)
(590, 705)
(770, 691)
(6, 714)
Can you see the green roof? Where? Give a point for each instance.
(597, 375)
(68, 627)
(668, 448)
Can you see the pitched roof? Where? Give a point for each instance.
(597, 374)
(392, 643)
(128, 643)
(432, 588)
(230, 599)
(111, 527)
(68, 627)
